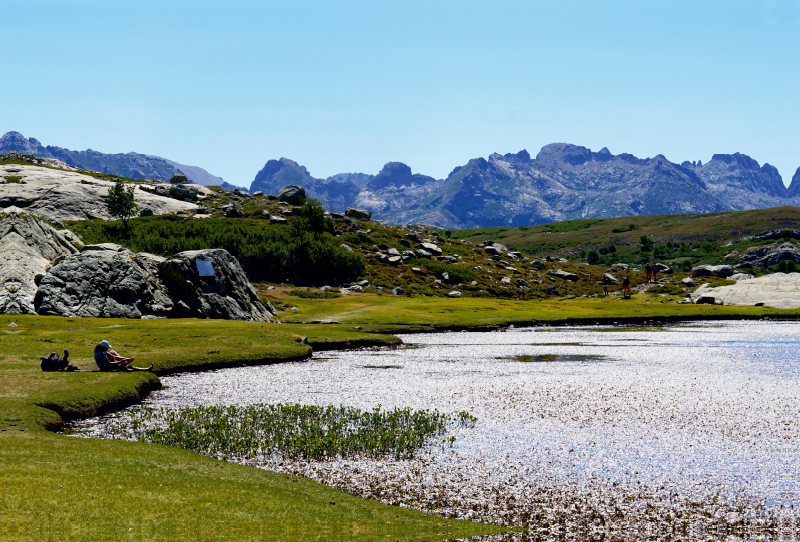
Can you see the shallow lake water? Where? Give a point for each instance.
(682, 431)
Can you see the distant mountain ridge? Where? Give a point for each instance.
(563, 182)
(132, 165)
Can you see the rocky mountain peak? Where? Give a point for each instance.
(794, 188)
(563, 153)
(737, 160)
(15, 141)
(397, 174)
(521, 157)
(277, 173)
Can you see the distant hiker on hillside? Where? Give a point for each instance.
(626, 287)
(520, 292)
(656, 267)
(605, 289)
(648, 272)
(109, 360)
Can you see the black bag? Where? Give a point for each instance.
(53, 363)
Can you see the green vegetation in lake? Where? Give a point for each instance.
(293, 431)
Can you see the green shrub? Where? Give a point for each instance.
(718, 283)
(266, 252)
(458, 273)
(310, 294)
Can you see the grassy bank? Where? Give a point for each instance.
(62, 488)
(399, 313)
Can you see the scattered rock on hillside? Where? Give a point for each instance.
(537, 264)
(358, 214)
(770, 255)
(688, 281)
(608, 278)
(227, 294)
(398, 291)
(492, 250)
(179, 178)
(713, 271)
(292, 194)
(552, 290)
(773, 235)
(566, 275)
(741, 276)
(432, 248)
(183, 192)
(704, 299)
(231, 211)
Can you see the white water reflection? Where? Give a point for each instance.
(615, 420)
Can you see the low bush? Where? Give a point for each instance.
(457, 273)
(267, 252)
(310, 294)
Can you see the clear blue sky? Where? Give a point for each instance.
(349, 86)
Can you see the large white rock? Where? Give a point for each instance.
(58, 195)
(27, 247)
(779, 290)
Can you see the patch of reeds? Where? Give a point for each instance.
(253, 432)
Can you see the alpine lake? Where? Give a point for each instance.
(682, 432)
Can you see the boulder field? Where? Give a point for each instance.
(42, 271)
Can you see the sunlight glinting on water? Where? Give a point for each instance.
(614, 419)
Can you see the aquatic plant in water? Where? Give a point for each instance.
(290, 430)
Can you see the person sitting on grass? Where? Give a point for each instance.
(108, 360)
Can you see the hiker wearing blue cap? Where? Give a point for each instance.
(108, 360)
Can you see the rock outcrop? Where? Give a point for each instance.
(223, 292)
(358, 214)
(770, 255)
(713, 271)
(59, 195)
(27, 246)
(292, 194)
(779, 290)
(103, 281)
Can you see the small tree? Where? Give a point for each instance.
(121, 202)
(313, 218)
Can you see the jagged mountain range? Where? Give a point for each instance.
(563, 182)
(131, 164)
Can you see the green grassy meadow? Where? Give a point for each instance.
(401, 313)
(64, 488)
